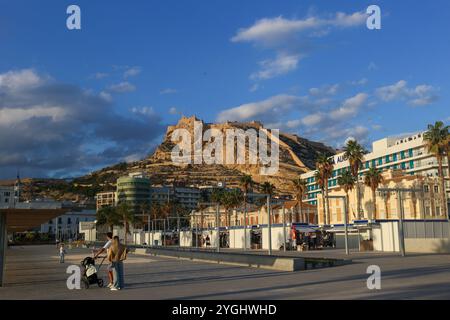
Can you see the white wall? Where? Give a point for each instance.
(277, 237)
(237, 238)
(385, 238)
(186, 239)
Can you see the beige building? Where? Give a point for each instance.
(106, 199)
(416, 205)
(255, 215)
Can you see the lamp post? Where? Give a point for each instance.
(399, 192)
(345, 220)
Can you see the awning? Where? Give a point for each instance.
(19, 220)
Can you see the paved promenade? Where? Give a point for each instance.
(33, 272)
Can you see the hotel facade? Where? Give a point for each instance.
(406, 154)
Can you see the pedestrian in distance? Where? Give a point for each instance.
(62, 253)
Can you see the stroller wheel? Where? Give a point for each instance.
(100, 283)
(85, 283)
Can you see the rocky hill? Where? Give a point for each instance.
(297, 155)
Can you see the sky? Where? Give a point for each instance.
(73, 101)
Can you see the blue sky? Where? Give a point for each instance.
(76, 100)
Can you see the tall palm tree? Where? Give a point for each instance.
(321, 182)
(268, 189)
(347, 182)
(127, 217)
(436, 139)
(354, 153)
(324, 168)
(108, 216)
(372, 179)
(246, 183)
(300, 186)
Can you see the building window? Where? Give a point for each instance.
(426, 188)
(388, 159)
(69, 221)
(394, 157)
(436, 189)
(380, 161)
(438, 210)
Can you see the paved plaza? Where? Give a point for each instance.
(34, 272)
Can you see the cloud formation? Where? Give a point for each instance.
(49, 128)
(283, 35)
(420, 95)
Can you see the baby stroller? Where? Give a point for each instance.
(90, 272)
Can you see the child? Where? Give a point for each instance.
(62, 252)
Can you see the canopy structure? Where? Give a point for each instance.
(21, 219)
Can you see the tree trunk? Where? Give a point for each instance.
(358, 200)
(374, 200)
(327, 205)
(443, 191)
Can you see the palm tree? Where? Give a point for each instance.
(268, 189)
(436, 139)
(127, 217)
(354, 153)
(347, 182)
(231, 200)
(324, 168)
(372, 179)
(246, 182)
(108, 216)
(300, 186)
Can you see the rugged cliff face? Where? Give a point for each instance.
(297, 155)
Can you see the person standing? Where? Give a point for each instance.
(106, 247)
(62, 253)
(116, 255)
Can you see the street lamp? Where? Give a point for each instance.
(399, 192)
(345, 220)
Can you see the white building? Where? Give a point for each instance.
(407, 153)
(67, 225)
(6, 197)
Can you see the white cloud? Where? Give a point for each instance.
(26, 78)
(131, 72)
(265, 109)
(350, 107)
(420, 95)
(280, 34)
(327, 90)
(144, 111)
(254, 87)
(122, 87)
(282, 64)
(273, 31)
